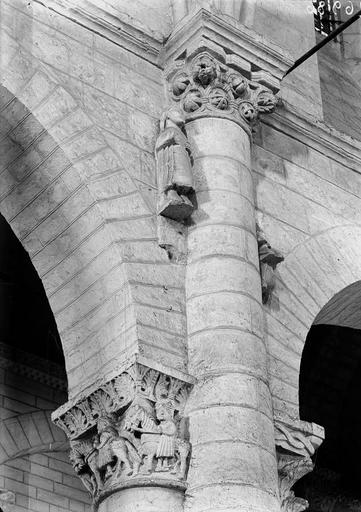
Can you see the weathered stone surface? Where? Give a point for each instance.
(79, 186)
(146, 498)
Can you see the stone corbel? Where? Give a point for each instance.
(296, 443)
(269, 258)
(130, 431)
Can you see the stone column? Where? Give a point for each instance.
(233, 465)
(128, 439)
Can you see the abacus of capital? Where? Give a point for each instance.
(149, 439)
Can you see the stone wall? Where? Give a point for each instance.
(80, 107)
(83, 202)
(309, 208)
(34, 461)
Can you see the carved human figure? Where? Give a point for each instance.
(80, 458)
(141, 419)
(174, 167)
(168, 431)
(269, 258)
(112, 450)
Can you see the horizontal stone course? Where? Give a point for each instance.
(225, 309)
(243, 425)
(233, 276)
(231, 462)
(238, 350)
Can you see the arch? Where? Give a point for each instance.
(94, 243)
(311, 275)
(30, 433)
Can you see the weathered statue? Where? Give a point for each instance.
(269, 258)
(81, 456)
(174, 167)
(168, 432)
(109, 453)
(160, 447)
(115, 452)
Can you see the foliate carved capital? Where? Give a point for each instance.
(129, 430)
(210, 84)
(290, 469)
(296, 442)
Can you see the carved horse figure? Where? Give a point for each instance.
(113, 445)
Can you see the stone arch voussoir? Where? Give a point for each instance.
(30, 433)
(313, 273)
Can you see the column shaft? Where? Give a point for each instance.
(231, 425)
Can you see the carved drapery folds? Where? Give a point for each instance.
(295, 443)
(211, 83)
(269, 258)
(174, 167)
(130, 429)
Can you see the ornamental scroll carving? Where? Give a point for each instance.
(129, 429)
(295, 444)
(209, 85)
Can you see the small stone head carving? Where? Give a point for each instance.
(204, 70)
(164, 410)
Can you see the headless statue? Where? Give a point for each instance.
(174, 167)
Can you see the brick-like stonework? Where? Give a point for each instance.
(109, 112)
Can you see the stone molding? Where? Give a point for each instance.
(296, 442)
(32, 367)
(131, 431)
(97, 19)
(256, 51)
(314, 133)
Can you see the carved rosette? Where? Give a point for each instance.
(131, 429)
(206, 86)
(296, 442)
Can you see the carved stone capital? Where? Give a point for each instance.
(296, 442)
(210, 83)
(129, 432)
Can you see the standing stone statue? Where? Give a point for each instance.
(269, 258)
(168, 433)
(174, 167)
